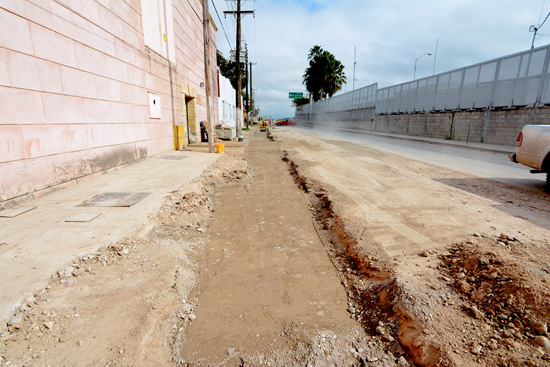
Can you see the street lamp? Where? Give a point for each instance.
(418, 58)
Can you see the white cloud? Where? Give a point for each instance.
(389, 35)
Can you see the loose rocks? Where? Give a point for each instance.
(543, 341)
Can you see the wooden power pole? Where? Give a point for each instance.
(247, 95)
(251, 93)
(206, 32)
(239, 110)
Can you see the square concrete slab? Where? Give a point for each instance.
(83, 217)
(172, 157)
(14, 212)
(116, 199)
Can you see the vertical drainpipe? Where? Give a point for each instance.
(208, 83)
(170, 68)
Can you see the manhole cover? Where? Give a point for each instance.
(172, 157)
(123, 199)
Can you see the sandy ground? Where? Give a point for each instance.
(462, 261)
(300, 251)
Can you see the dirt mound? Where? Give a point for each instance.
(511, 299)
(505, 291)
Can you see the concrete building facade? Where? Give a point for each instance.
(87, 86)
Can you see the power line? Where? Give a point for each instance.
(221, 23)
(535, 29)
(541, 9)
(233, 20)
(544, 20)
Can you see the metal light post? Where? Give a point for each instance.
(418, 58)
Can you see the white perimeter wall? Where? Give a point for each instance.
(226, 102)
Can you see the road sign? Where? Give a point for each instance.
(295, 95)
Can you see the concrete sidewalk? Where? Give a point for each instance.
(456, 143)
(37, 243)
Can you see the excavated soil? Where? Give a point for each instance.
(268, 293)
(121, 305)
(481, 301)
(296, 250)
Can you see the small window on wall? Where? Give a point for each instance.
(157, 19)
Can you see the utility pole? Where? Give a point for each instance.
(251, 92)
(247, 95)
(206, 32)
(354, 63)
(239, 110)
(533, 29)
(435, 56)
(239, 114)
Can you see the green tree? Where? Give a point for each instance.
(228, 69)
(325, 74)
(299, 102)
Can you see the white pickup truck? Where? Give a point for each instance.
(533, 150)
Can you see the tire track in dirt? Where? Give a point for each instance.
(421, 242)
(383, 226)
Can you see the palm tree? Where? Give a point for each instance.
(315, 51)
(335, 78)
(325, 75)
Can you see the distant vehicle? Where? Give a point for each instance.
(286, 122)
(533, 150)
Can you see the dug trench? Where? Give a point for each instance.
(375, 294)
(268, 293)
(234, 271)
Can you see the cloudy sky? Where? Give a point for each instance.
(389, 36)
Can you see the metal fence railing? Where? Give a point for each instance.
(520, 79)
(358, 99)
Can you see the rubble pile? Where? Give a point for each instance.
(513, 300)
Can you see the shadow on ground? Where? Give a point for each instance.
(530, 203)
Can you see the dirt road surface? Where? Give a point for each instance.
(304, 250)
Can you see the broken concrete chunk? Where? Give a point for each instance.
(543, 341)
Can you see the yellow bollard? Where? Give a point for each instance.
(181, 137)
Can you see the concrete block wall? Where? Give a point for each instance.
(74, 83)
(417, 124)
(468, 120)
(503, 126)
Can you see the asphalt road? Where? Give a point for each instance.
(496, 166)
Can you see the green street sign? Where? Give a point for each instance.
(295, 95)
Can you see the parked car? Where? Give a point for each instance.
(286, 122)
(533, 149)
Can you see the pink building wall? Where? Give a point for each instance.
(74, 83)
